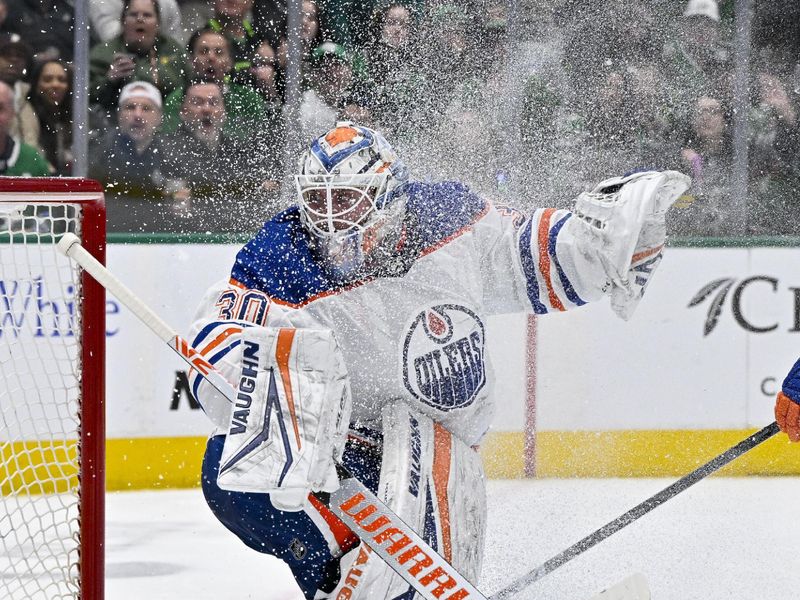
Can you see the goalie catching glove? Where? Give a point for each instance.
(787, 404)
(289, 424)
(625, 229)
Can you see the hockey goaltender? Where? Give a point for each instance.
(353, 328)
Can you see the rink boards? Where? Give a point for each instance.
(579, 394)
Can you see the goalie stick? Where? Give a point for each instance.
(637, 511)
(417, 563)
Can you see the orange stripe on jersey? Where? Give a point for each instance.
(340, 135)
(235, 283)
(402, 241)
(280, 302)
(544, 258)
(441, 479)
(282, 350)
(352, 286)
(219, 339)
(352, 437)
(346, 539)
(646, 253)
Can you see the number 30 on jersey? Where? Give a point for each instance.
(243, 305)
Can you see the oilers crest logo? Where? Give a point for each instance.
(443, 357)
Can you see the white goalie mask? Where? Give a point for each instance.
(350, 194)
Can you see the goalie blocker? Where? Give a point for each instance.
(286, 431)
(289, 423)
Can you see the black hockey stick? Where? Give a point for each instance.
(637, 511)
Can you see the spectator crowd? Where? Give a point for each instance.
(638, 86)
(187, 123)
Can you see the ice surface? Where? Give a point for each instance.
(724, 538)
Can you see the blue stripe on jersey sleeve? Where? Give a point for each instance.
(569, 290)
(204, 333)
(529, 268)
(219, 355)
(195, 379)
(201, 336)
(198, 379)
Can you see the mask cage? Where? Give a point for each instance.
(323, 219)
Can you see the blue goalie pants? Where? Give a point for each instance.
(308, 540)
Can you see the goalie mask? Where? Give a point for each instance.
(350, 195)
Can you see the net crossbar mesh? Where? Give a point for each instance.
(40, 396)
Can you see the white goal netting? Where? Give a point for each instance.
(40, 398)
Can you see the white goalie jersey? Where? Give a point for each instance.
(415, 329)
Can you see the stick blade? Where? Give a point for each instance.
(631, 588)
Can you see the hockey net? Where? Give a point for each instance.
(52, 336)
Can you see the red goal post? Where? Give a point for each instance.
(52, 390)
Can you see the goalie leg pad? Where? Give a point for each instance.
(288, 426)
(310, 542)
(435, 484)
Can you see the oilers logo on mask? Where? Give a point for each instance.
(443, 357)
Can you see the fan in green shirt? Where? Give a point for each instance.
(16, 158)
(212, 62)
(139, 53)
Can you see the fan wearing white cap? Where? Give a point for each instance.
(139, 113)
(702, 8)
(697, 57)
(129, 157)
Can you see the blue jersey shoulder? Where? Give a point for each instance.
(442, 209)
(278, 261)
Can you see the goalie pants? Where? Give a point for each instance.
(303, 541)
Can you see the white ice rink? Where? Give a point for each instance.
(724, 538)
